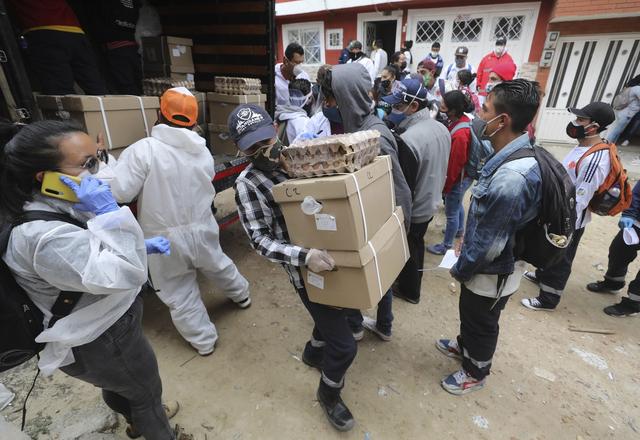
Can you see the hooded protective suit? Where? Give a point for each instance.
(296, 119)
(170, 173)
(350, 85)
(107, 261)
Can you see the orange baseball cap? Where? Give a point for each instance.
(179, 106)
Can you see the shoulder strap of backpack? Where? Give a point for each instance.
(460, 126)
(66, 300)
(518, 154)
(593, 149)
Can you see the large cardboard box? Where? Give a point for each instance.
(123, 119)
(171, 51)
(362, 277)
(221, 106)
(167, 71)
(220, 140)
(354, 207)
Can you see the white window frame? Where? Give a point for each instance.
(319, 25)
(339, 46)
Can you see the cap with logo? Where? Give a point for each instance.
(598, 112)
(410, 90)
(250, 124)
(462, 51)
(179, 106)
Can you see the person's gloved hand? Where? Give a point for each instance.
(158, 245)
(307, 136)
(626, 222)
(319, 261)
(94, 195)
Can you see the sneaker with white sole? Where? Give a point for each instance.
(460, 382)
(371, 325)
(536, 304)
(449, 347)
(531, 276)
(358, 335)
(245, 303)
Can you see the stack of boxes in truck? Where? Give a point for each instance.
(168, 57)
(230, 92)
(353, 216)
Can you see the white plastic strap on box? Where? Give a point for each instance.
(104, 120)
(144, 114)
(393, 193)
(375, 260)
(404, 242)
(364, 219)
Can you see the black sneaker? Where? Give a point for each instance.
(401, 295)
(337, 412)
(626, 307)
(531, 276)
(605, 286)
(536, 304)
(312, 356)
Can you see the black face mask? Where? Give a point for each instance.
(268, 158)
(384, 85)
(355, 56)
(576, 131)
(403, 65)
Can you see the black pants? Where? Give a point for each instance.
(332, 335)
(61, 58)
(620, 256)
(553, 280)
(410, 279)
(479, 331)
(125, 68)
(122, 363)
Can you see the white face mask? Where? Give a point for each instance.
(297, 70)
(499, 50)
(434, 54)
(105, 173)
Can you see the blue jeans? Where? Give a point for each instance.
(623, 117)
(454, 210)
(384, 316)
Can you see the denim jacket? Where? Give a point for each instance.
(633, 211)
(506, 197)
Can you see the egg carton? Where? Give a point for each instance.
(344, 153)
(237, 86)
(157, 86)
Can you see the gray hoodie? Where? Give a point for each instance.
(350, 84)
(430, 144)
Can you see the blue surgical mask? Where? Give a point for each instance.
(489, 87)
(396, 116)
(332, 114)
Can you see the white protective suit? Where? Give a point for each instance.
(108, 261)
(171, 173)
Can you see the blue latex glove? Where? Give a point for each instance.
(626, 222)
(308, 136)
(380, 112)
(158, 245)
(94, 195)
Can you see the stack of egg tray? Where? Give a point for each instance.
(342, 153)
(237, 86)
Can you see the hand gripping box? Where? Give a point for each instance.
(350, 208)
(123, 119)
(362, 277)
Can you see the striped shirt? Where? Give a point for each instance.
(592, 173)
(264, 223)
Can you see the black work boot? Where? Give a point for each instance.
(605, 286)
(312, 356)
(626, 307)
(335, 409)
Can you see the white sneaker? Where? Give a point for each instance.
(625, 144)
(245, 303)
(206, 351)
(370, 324)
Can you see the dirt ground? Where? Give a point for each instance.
(547, 382)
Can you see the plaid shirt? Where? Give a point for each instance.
(264, 223)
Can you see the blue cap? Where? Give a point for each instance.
(250, 124)
(410, 90)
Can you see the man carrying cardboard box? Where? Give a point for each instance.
(332, 346)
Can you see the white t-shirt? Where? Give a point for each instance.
(282, 85)
(368, 64)
(380, 60)
(487, 285)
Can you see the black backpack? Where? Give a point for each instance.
(20, 319)
(544, 241)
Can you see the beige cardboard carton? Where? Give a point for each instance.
(123, 119)
(362, 277)
(171, 51)
(354, 207)
(221, 105)
(220, 141)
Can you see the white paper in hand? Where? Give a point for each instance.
(449, 259)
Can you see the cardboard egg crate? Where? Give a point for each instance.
(343, 153)
(237, 86)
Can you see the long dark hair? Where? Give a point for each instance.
(25, 152)
(457, 102)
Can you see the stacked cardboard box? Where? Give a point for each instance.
(167, 57)
(123, 119)
(355, 219)
(220, 107)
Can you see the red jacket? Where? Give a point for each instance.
(487, 64)
(44, 13)
(460, 142)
